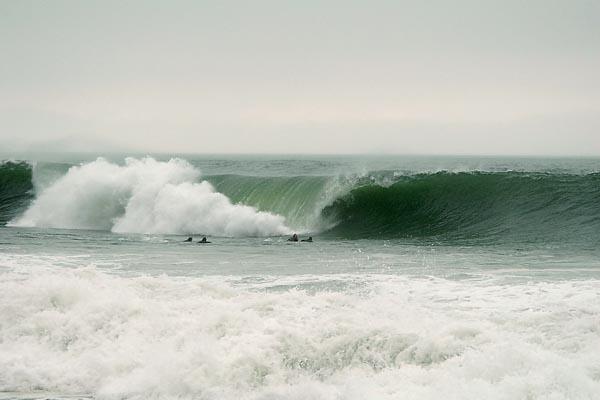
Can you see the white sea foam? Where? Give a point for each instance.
(144, 196)
(82, 331)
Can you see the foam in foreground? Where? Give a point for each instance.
(81, 331)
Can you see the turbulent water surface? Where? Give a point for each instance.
(428, 278)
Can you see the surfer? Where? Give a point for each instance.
(307, 240)
(294, 238)
(188, 239)
(203, 240)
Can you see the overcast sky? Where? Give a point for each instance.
(454, 77)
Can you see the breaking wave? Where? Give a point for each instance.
(145, 196)
(150, 196)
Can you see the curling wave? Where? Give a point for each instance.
(150, 196)
(473, 205)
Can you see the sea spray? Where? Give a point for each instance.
(145, 196)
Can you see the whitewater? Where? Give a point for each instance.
(144, 196)
(429, 278)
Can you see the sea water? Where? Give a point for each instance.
(428, 277)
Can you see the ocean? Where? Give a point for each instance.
(427, 278)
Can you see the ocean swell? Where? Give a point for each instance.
(149, 196)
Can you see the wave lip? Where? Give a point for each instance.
(144, 196)
(299, 199)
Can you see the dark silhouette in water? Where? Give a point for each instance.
(307, 240)
(188, 239)
(203, 240)
(294, 238)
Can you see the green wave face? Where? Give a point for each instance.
(16, 189)
(476, 206)
(299, 199)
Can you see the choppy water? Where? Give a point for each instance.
(457, 278)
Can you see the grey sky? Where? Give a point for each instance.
(479, 77)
